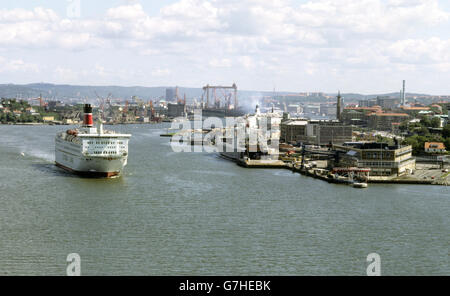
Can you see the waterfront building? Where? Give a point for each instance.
(291, 130)
(315, 132)
(293, 108)
(435, 147)
(299, 96)
(54, 105)
(387, 102)
(358, 116)
(382, 159)
(425, 113)
(32, 111)
(143, 119)
(438, 107)
(414, 110)
(367, 103)
(329, 109)
(326, 132)
(170, 94)
(176, 110)
(385, 121)
(160, 110)
(48, 118)
(311, 109)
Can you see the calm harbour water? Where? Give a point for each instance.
(197, 214)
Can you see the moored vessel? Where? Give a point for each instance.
(360, 185)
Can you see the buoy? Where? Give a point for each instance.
(23, 154)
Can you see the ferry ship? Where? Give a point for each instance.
(91, 151)
(238, 149)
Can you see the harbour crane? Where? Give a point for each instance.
(41, 101)
(103, 101)
(207, 88)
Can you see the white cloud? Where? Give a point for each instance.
(160, 72)
(22, 15)
(127, 13)
(317, 23)
(433, 51)
(247, 62)
(257, 36)
(220, 63)
(65, 74)
(17, 65)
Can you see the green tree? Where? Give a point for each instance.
(25, 118)
(10, 117)
(415, 143)
(435, 122)
(447, 144)
(423, 131)
(426, 121)
(3, 118)
(446, 131)
(404, 125)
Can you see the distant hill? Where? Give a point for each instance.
(353, 96)
(64, 91)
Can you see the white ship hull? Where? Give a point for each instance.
(90, 166)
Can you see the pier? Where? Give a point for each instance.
(437, 177)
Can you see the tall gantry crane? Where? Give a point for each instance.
(225, 95)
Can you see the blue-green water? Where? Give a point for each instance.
(197, 214)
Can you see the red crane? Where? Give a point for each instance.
(41, 102)
(152, 109)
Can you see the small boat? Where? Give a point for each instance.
(359, 185)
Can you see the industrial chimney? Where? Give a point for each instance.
(338, 107)
(403, 94)
(87, 121)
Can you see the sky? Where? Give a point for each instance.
(355, 46)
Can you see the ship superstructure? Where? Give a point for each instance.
(91, 151)
(246, 147)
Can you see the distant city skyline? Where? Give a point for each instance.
(365, 47)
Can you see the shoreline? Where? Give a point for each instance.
(59, 123)
(314, 173)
